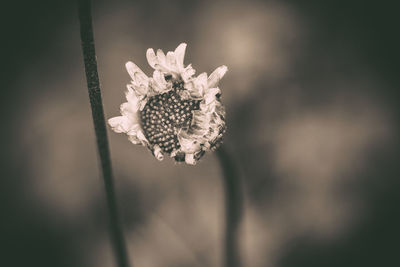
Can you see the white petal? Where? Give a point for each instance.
(171, 62)
(134, 129)
(161, 57)
(130, 111)
(180, 55)
(132, 98)
(216, 76)
(140, 89)
(158, 153)
(159, 83)
(152, 58)
(189, 159)
(187, 73)
(140, 81)
(202, 79)
(137, 75)
(120, 124)
(201, 83)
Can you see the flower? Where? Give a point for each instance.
(174, 112)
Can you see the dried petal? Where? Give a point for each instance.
(180, 55)
(216, 76)
(152, 58)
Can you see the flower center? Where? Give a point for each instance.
(164, 115)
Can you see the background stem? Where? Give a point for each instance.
(233, 208)
(89, 55)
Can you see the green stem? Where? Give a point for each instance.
(93, 84)
(233, 208)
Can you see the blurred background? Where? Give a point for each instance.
(313, 120)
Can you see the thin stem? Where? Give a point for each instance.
(233, 208)
(93, 84)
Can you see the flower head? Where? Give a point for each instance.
(173, 112)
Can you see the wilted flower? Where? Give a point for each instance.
(173, 112)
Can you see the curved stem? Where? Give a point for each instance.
(93, 84)
(233, 208)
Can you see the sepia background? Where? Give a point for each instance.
(313, 120)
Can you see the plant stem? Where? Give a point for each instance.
(93, 84)
(233, 208)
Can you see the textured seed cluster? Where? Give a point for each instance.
(164, 115)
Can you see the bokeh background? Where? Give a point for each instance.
(313, 120)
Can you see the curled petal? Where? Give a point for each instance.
(140, 81)
(216, 76)
(152, 58)
(120, 124)
(180, 55)
(171, 62)
(158, 153)
(201, 83)
(159, 61)
(136, 73)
